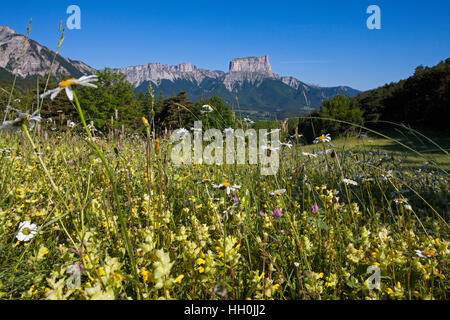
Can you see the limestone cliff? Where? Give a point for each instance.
(34, 59)
(156, 72)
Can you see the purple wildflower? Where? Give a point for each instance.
(277, 213)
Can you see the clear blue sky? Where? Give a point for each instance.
(320, 42)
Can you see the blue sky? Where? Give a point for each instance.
(319, 42)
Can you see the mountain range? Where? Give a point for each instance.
(258, 90)
(249, 86)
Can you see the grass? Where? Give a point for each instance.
(427, 153)
(189, 240)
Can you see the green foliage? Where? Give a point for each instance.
(175, 111)
(113, 93)
(421, 100)
(268, 124)
(270, 95)
(220, 118)
(339, 108)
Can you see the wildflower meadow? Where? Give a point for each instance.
(127, 208)
(89, 215)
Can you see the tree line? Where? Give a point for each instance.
(421, 102)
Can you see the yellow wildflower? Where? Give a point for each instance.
(145, 274)
(100, 272)
(179, 278)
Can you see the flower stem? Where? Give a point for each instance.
(123, 222)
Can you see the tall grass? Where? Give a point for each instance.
(192, 243)
(134, 225)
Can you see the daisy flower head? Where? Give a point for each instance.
(269, 148)
(310, 155)
(27, 230)
(21, 119)
(322, 138)
(348, 182)
(227, 186)
(248, 121)
(426, 253)
(328, 151)
(206, 109)
(408, 208)
(181, 132)
(278, 192)
(289, 145)
(297, 136)
(68, 85)
(401, 201)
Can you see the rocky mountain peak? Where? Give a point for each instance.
(251, 64)
(185, 67)
(37, 59)
(6, 31)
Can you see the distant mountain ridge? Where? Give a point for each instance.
(250, 80)
(249, 85)
(37, 59)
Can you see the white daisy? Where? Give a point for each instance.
(181, 131)
(248, 121)
(206, 109)
(326, 152)
(307, 154)
(269, 148)
(287, 145)
(408, 208)
(296, 136)
(401, 201)
(27, 230)
(22, 118)
(67, 85)
(13, 157)
(227, 186)
(323, 138)
(426, 253)
(278, 192)
(348, 181)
